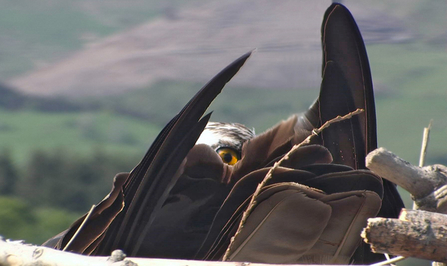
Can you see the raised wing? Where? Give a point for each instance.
(346, 86)
(143, 193)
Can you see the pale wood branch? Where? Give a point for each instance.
(425, 137)
(427, 185)
(19, 254)
(416, 233)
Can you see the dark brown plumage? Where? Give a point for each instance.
(183, 201)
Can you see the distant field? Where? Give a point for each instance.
(80, 133)
(411, 90)
(128, 123)
(409, 81)
(34, 33)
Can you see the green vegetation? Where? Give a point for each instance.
(45, 195)
(254, 107)
(20, 218)
(410, 91)
(79, 132)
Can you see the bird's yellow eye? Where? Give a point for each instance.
(228, 155)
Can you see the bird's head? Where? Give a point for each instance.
(226, 139)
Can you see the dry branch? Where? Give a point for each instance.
(417, 233)
(420, 234)
(425, 137)
(19, 254)
(427, 185)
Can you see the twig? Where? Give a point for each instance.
(425, 139)
(80, 227)
(269, 174)
(389, 261)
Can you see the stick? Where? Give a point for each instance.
(416, 233)
(80, 227)
(425, 138)
(19, 254)
(427, 185)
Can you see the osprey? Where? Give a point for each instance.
(186, 197)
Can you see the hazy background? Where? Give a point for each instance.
(86, 85)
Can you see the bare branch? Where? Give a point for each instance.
(19, 254)
(416, 233)
(425, 138)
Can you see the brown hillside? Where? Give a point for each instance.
(196, 43)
